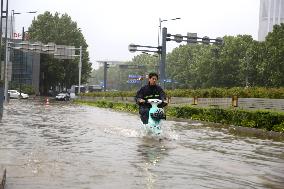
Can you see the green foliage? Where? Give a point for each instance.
(279, 127)
(111, 94)
(117, 77)
(254, 119)
(240, 61)
(108, 104)
(274, 62)
(270, 121)
(250, 92)
(28, 89)
(61, 30)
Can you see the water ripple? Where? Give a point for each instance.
(69, 146)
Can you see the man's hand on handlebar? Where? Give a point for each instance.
(165, 103)
(141, 100)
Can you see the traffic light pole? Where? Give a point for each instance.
(80, 68)
(163, 57)
(105, 75)
(162, 50)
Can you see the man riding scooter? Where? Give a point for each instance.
(149, 91)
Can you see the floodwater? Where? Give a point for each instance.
(66, 146)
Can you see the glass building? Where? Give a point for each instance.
(271, 12)
(22, 67)
(25, 68)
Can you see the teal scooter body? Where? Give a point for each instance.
(155, 116)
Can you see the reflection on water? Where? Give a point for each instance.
(152, 150)
(68, 146)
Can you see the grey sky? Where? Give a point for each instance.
(109, 26)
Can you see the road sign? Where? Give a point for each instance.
(168, 80)
(130, 66)
(133, 81)
(133, 76)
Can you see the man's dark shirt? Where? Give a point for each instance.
(150, 92)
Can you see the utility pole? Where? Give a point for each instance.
(6, 53)
(106, 66)
(22, 62)
(80, 68)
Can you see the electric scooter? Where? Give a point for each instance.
(156, 114)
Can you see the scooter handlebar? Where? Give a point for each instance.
(158, 101)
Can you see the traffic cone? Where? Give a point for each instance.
(46, 101)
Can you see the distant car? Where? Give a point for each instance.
(62, 96)
(16, 94)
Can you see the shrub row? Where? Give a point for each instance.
(250, 92)
(270, 121)
(107, 104)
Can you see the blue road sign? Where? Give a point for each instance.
(168, 80)
(133, 81)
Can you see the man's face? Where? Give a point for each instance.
(153, 80)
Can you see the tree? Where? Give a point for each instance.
(274, 61)
(62, 31)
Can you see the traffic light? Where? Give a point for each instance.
(219, 41)
(106, 65)
(205, 40)
(191, 38)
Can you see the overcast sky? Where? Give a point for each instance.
(109, 26)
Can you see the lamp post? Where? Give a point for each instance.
(160, 26)
(80, 69)
(7, 55)
(13, 13)
(162, 56)
(6, 49)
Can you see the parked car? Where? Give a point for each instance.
(16, 94)
(62, 96)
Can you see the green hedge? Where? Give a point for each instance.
(270, 121)
(28, 89)
(250, 92)
(107, 104)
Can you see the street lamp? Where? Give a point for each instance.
(162, 56)
(13, 13)
(6, 45)
(160, 26)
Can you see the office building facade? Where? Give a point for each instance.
(25, 68)
(271, 12)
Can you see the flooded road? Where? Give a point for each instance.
(62, 146)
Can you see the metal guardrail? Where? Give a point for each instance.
(261, 103)
(240, 103)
